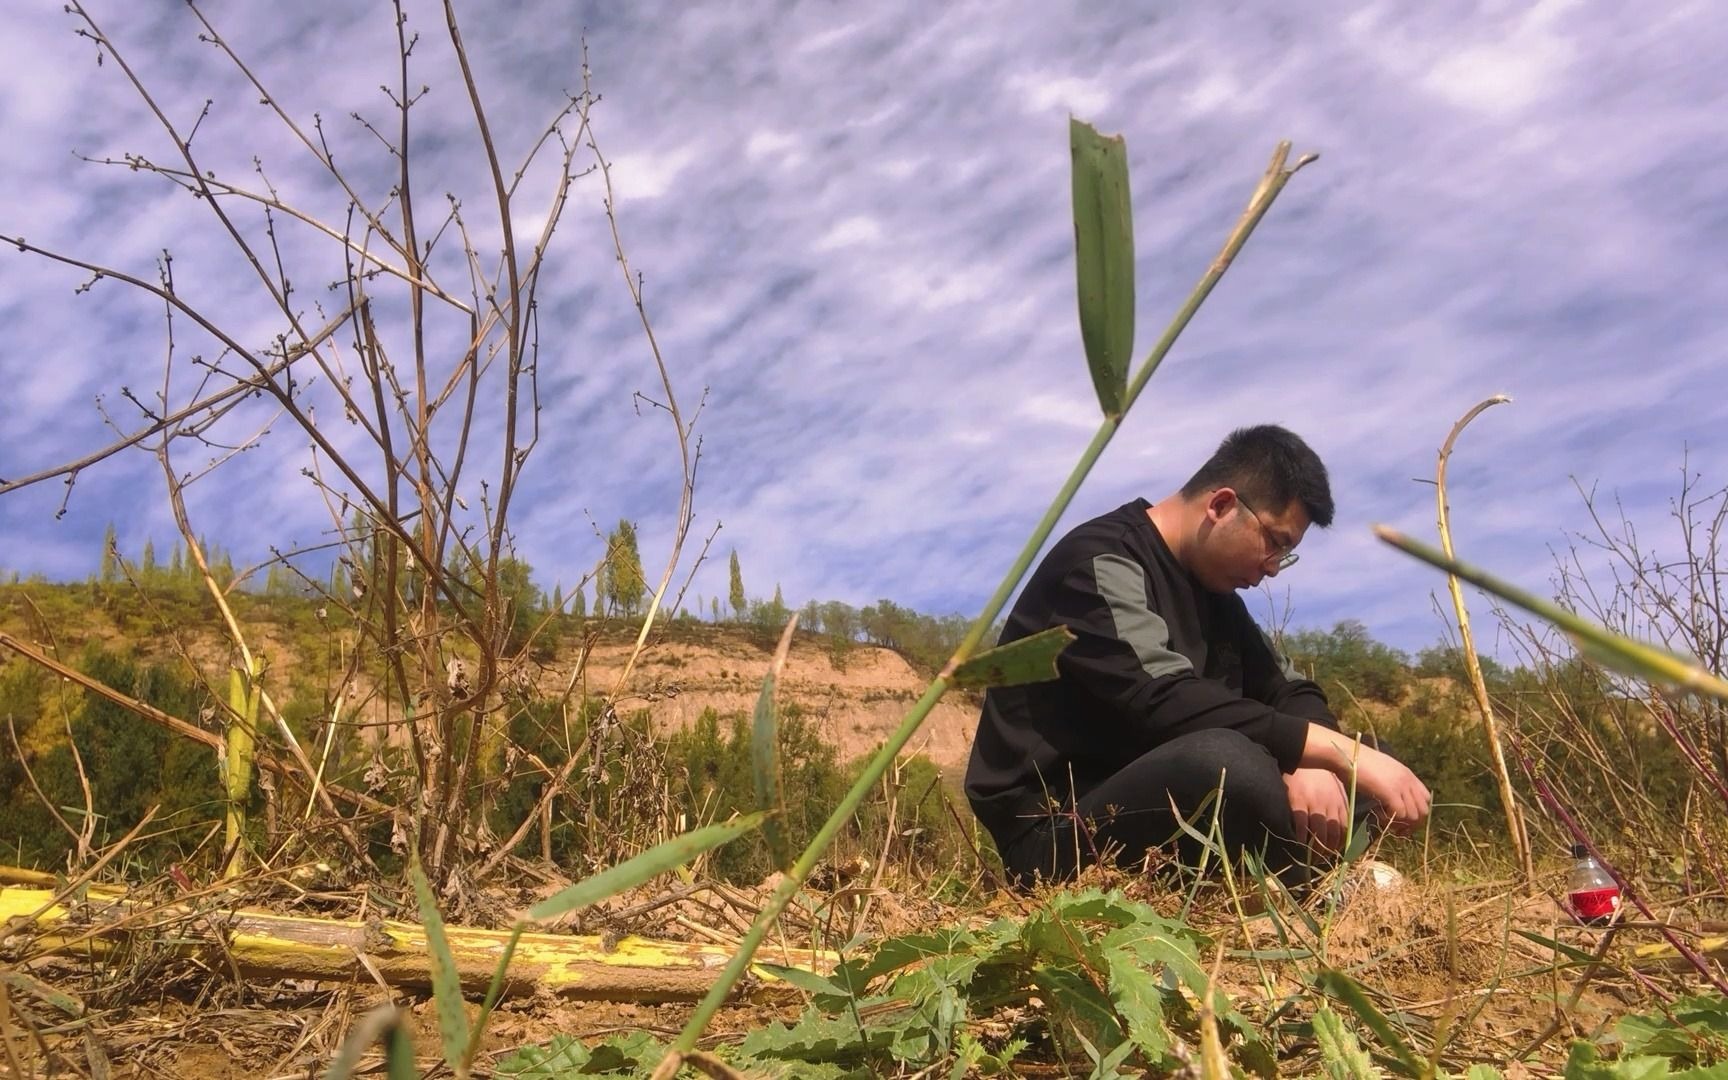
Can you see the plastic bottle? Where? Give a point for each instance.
(1591, 893)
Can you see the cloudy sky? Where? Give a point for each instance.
(853, 226)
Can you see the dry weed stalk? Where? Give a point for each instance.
(1473, 665)
(429, 382)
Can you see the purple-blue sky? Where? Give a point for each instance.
(853, 225)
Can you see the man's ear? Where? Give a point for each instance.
(1221, 503)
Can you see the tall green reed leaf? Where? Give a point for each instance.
(1029, 660)
(399, 1054)
(1611, 650)
(659, 859)
(446, 982)
(765, 755)
(1278, 173)
(1104, 259)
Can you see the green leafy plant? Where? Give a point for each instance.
(1116, 979)
(628, 1054)
(1692, 1030)
(1341, 1054)
(1585, 1063)
(1341, 987)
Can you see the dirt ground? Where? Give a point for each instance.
(1447, 961)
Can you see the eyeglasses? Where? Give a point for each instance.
(1279, 553)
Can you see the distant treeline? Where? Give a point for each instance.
(542, 616)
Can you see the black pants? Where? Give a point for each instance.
(1130, 813)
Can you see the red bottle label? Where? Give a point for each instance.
(1593, 904)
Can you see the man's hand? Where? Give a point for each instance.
(1402, 797)
(1319, 807)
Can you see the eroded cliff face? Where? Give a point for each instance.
(855, 704)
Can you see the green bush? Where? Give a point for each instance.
(587, 821)
(1347, 663)
(927, 835)
(1445, 661)
(712, 757)
(1437, 733)
(131, 765)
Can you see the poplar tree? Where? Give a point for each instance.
(110, 566)
(625, 585)
(736, 594)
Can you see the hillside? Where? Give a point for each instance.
(855, 704)
(855, 701)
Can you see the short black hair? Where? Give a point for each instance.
(1272, 467)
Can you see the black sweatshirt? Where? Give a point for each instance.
(1155, 656)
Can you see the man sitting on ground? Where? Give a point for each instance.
(1170, 693)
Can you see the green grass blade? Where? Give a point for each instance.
(808, 981)
(765, 755)
(1029, 660)
(1104, 259)
(1572, 953)
(493, 991)
(1605, 647)
(446, 983)
(383, 1023)
(399, 1054)
(657, 860)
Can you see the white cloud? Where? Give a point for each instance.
(1501, 78)
(824, 40)
(647, 175)
(1215, 90)
(1061, 410)
(765, 144)
(1044, 92)
(857, 231)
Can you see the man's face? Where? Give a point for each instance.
(1246, 544)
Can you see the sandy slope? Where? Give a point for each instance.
(855, 705)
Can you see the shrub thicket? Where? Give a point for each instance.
(632, 783)
(131, 764)
(711, 765)
(1350, 665)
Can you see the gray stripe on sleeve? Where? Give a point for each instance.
(1123, 586)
